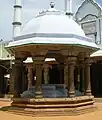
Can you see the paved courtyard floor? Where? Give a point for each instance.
(97, 115)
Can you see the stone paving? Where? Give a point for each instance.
(97, 115)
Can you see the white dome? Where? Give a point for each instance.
(52, 27)
(54, 22)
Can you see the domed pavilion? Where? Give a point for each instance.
(52, 34)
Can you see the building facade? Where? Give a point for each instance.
(89, 16)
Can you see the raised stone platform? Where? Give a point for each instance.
(49, 106)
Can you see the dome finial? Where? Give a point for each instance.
(52, 4)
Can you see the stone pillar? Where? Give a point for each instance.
(17, 76)
(71, 66)
(78, 79)
(30, 75)
(11, 89)
(82, 78)
(38, 62)
(46, 73)
(87, 78)
(61, 68)
(1, 81)
(81, 58)
(24, 79)
(66, 75)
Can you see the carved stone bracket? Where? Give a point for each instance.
(22, 55)
(67, 53)
(71, 60)
(38, 60)
(39, 53)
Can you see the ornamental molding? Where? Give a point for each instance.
(51, 35)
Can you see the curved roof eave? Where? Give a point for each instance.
(63, 41)
(97, 54)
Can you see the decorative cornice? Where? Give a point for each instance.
(51, 35)
(17, 6)
(17, 23)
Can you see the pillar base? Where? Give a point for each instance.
(88, 93)
(71, 93)
(10, 95)
(38, 95)
(16, 96)
(2, 95)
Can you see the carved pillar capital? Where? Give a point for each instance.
(39, 53)
(21, 55)
(87, 61)
(81, 60)
(38, 60)
(61, 66)
(18, 61)
(70, 60)
(46, 66)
